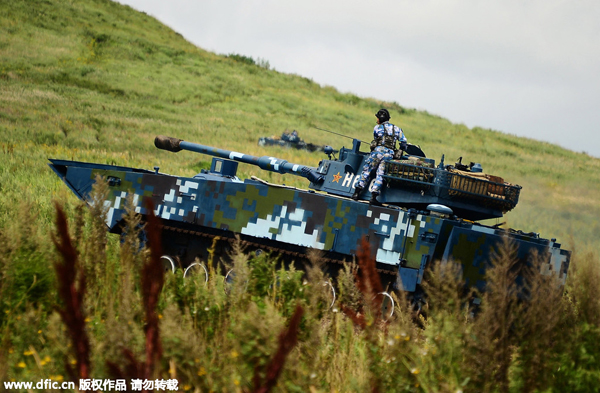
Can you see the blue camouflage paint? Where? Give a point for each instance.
(405, 241)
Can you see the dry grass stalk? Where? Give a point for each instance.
(539, 325)
(287, 341)
(71, 289)
(152, 284)
(94, 258)
(367, 279)
(131, 258)
(368, 282)
(495, 344)
(583, 287)
(153, 278)
(446, 293)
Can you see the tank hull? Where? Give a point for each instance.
(195, 211)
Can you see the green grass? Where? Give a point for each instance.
(96, 81)
(92, 80)
(224, 337)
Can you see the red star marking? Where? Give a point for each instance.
(336, 178)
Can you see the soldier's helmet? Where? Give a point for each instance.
(383, 115)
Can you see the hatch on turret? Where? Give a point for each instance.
(220, 166)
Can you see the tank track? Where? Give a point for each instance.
(264, 246)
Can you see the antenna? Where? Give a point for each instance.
(336, 133)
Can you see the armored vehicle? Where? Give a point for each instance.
(428, 212)
(292, 140)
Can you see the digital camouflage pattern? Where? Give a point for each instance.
(375, 162)
(216, 204)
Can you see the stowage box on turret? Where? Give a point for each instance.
(429, 212)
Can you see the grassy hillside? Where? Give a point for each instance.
(96, 81)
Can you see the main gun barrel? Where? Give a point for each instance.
(267, 163)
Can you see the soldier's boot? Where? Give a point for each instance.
(374, 200)
(357, 191)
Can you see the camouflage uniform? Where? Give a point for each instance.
(380, 154)
(294, 138)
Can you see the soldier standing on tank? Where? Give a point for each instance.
(383, 147)
(294, 138)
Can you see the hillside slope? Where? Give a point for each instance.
(93, 80)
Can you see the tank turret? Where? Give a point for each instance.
(411, 180)
(414, 181)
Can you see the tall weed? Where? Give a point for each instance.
(228, 335)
